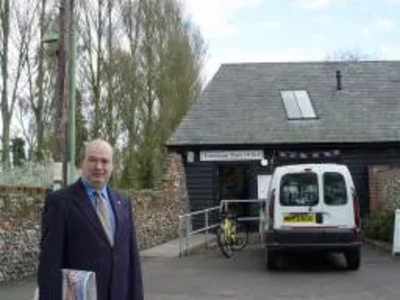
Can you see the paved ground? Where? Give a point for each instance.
(208, 276)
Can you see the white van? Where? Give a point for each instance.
(312, 207)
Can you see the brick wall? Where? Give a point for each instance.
(384, 185)
(156, 217)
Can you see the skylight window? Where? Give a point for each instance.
(298, 105)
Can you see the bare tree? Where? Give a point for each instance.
(22, 18)
(36, 102)
(93, 30)
(350, 55)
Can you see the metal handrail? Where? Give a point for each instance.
(188, 218)
(225, 202)
(189, 232)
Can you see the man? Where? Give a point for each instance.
(89, 226)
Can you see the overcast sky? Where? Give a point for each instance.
(295, 30)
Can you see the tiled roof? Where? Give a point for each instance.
(242, 104)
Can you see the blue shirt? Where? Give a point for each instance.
(91, 192)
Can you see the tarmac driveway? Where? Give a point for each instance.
(209, 276)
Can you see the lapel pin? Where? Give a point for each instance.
(119, 202)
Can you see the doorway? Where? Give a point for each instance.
(235, 184)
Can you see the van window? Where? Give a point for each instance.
(335, 192)
(299, 189)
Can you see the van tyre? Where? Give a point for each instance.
(271, 258)
(353, 258)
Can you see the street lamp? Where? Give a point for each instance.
(52, 38)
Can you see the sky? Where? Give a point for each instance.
(295, 30)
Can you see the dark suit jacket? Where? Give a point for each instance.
(73, 238)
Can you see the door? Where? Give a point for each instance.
(299, 200)
(235, 185)
(338, 202)
(263, 182)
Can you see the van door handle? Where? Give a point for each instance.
(319, 218)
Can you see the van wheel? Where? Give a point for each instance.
(353, 258)
(271, 257)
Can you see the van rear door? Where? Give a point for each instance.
(337, 199)
(299, 200)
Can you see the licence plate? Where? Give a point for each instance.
(299, 218)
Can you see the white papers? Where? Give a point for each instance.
(396, 235)
(77, 285)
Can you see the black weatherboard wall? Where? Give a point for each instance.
(203, 182)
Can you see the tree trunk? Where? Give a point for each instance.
(39, 107)
(5, 19)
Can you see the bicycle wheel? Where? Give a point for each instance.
(241, 237)
(223, 244)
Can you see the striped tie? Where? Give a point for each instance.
(104, 216)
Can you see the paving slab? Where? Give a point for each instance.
(178, 247)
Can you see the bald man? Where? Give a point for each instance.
(89, 226)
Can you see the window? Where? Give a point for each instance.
(298, 105)
(299, 189)
(335, 192)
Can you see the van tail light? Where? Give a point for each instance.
(357, 218)
(271, 213)
(271, 208)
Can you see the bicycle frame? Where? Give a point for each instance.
(229, 235)
(229, 229)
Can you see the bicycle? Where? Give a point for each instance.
(231, 234)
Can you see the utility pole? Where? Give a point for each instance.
(61, 143)
(71, 92)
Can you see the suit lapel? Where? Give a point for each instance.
(82, 201)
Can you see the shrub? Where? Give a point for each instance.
(379, 225)
(30, 174)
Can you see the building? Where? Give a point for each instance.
(256, 116)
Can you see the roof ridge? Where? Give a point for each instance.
(310, 62)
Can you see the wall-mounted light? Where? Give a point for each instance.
(190, 156)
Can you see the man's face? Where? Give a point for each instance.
(97, 165)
